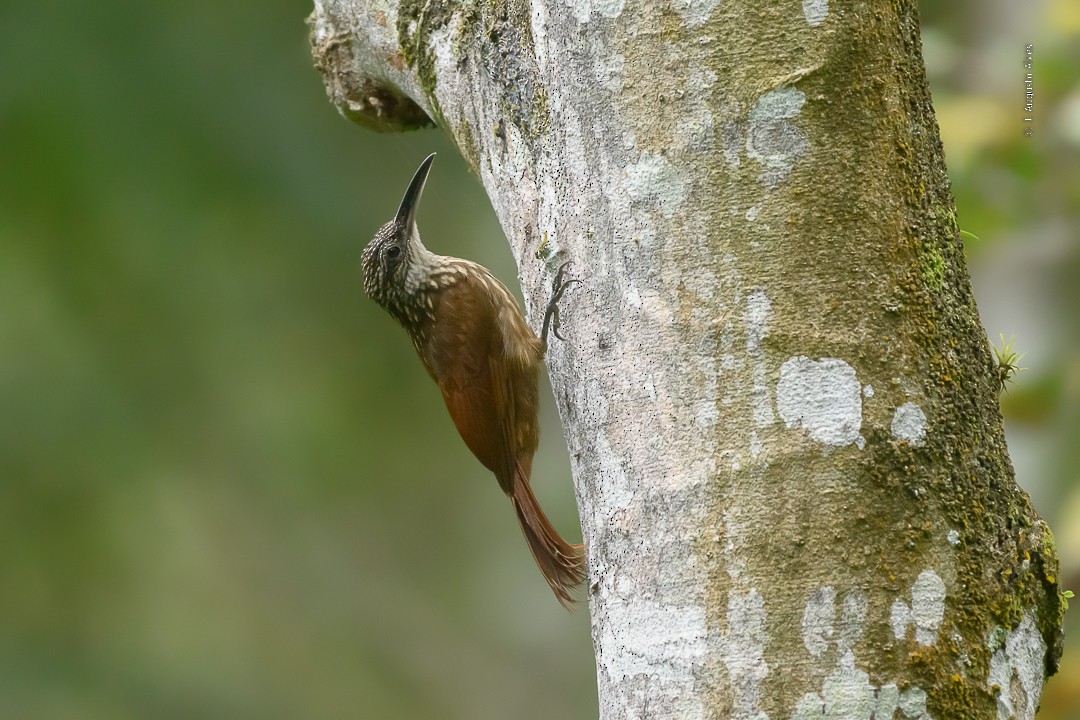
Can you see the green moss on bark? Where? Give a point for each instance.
(493, 35)
(416, 21)
(859, 251)
(505, 49)
(1004, 564)
(467, 144)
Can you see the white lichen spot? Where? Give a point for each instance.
(763, 413)
(650, 388)
(664, 643)
(583, 9)
(817, 621)
(624, 586)
(909, 423)
(752, 213)
(809, 707)
(702, 282)
(702, 78)
(707, 414)
(758, 314)
(1016, 669)
(609, 8)
(618, 493)
(852, 620)
(695, 12)
(846, 693)
(322, 29)
(441, 46)
(743, 653)
(772, 139)
(732, 137)
(927, 606)
(610, 71)
(953, 537)
(652, 177)
(899, 618)
(778, 105)
(815, 11)
(868, 391)
(912, 702)
(734, 533)
(756, 446)
(888, 699)
(822, 397)
(926, 611)
(696, 130)
(538, 20)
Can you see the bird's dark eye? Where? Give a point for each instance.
(393, 251)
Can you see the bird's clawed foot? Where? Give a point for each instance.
(551, 316)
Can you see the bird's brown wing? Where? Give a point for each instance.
(464, 353)
(485, 360)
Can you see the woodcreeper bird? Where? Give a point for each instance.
(474, 341)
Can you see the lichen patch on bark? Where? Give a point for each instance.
(758, 314)
(848, 691)
(773, 140)
(655, 179)
(909, 423)
(1017, 669)
(584, 9)
(818, 619)
(742, 651)
(925, 611)
(815, 11)
(822, 397)
(695, 12)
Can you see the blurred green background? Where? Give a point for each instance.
(229, 489)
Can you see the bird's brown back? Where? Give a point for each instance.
(486, 361)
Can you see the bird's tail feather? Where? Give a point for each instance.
(562, 563)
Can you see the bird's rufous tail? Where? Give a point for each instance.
(562, 563)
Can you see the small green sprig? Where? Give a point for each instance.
(1066, 595)
(1008, 362)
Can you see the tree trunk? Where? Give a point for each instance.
(780, 405)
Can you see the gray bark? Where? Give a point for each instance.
(780, 406)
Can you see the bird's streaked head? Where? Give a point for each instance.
(395, 260)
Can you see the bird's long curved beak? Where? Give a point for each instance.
(406, 214)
